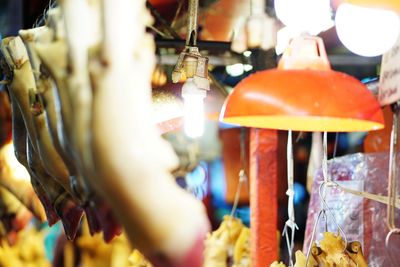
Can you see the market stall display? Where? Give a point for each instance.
(109, 130)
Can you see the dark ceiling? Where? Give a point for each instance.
(216, 21)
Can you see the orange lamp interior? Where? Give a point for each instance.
(309, 123)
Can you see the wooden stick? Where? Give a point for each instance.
(370, 196)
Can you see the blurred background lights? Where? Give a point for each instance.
(238, 69)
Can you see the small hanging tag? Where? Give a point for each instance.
(389, 84)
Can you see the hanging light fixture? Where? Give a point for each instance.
(367, 31)
(192, 65)
(303, 94)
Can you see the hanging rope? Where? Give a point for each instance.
(191, 39)
(291, 222)
(336, 144)
(242, 174)
(327, 182)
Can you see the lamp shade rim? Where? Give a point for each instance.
(305, 123)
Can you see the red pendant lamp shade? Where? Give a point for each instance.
(303, 94)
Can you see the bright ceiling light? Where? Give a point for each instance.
(312, 16)
(366, 31)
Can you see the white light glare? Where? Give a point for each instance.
(247, 53)
(366, 31)
(193, 108)
(238, 69)
(312, 16)
(19, 171)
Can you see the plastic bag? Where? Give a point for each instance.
(361, 219)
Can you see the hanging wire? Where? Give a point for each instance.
(327, 182)
(242, 174)
(299, 137)
(178, 11)
(336, 144)
(157, 31)
(325, 158)
(291, 222)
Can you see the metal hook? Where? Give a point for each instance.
(326, 208)
(313, 235)
(391, 232)
(322, 195)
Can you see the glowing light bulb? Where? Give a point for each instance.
(365, 31)
(193, 108)
(312, 16)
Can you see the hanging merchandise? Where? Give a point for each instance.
(360, 213)
(28, 250)
(73, 85)
(94, 252)
(367, 31)
(229, 243)
(331, 252)
(192, 65)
